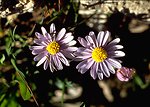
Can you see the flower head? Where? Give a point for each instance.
(98, 54)
(125, 74)
(53, 48)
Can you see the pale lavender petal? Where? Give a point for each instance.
(84, 53)
(38, 35)
(83, 42)
(105, 69)
(51, 64)
(39, 42)
(52, 28)
(90, 39)
(82, 70)
(92, 34)
(49, 37)
(45, 64)
(93, 71)
(90, 62)
(70, 49)
(84, 66)
(84, 57)
(61, 34)
(66, 40)
(81, 64)
(57, 62)
(100, 38)
(43, 31)
(68, 35)
(112, 43)
(111, 69)
(63, 59)
(37, 51)
(100, 75)
(39, 56)
(114, 63)
(73, 42)
(36, 47)
(68, 54)
(105, 39)
(41, 61)
(113, 48)
(116, 54)
(82, 49)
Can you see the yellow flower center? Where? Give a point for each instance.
(53, 48)
(99, 54)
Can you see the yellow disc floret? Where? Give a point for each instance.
(99, 54)
(53, 47)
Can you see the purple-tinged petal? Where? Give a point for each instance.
(125, 74)
(68, 54)
(49, 37)
(114, 47)
(111, 69)
(41, 61)
(115, 54)
(52, 28)
(43, 31)
(105, 69)
(90, 39)
(114, 63)
(92, 34)
(36, 47)
(63, 59)
(70, 49)
(57, 62)
(39, 42)
(73, 42)
(83, 42)
(51, 64)
(83, 70)
(112, 43)
(66, 40)
(82, 49)
(37, 51)
(81, 64)
(100, 75)
(90, 62)
(45, 64)
(61, 34)
(68, 35)
(100, 38)
(93, 71)
(105, 39)
(40, 56)
(39, 36)
(83, 57)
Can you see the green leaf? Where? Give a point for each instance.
(139, 82)
(59, 83)
(10, 102)
(25, 92)
(2, 59)
(23, 86)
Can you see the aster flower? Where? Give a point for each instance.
(98, 54)
(53, 48)
(125, 74)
